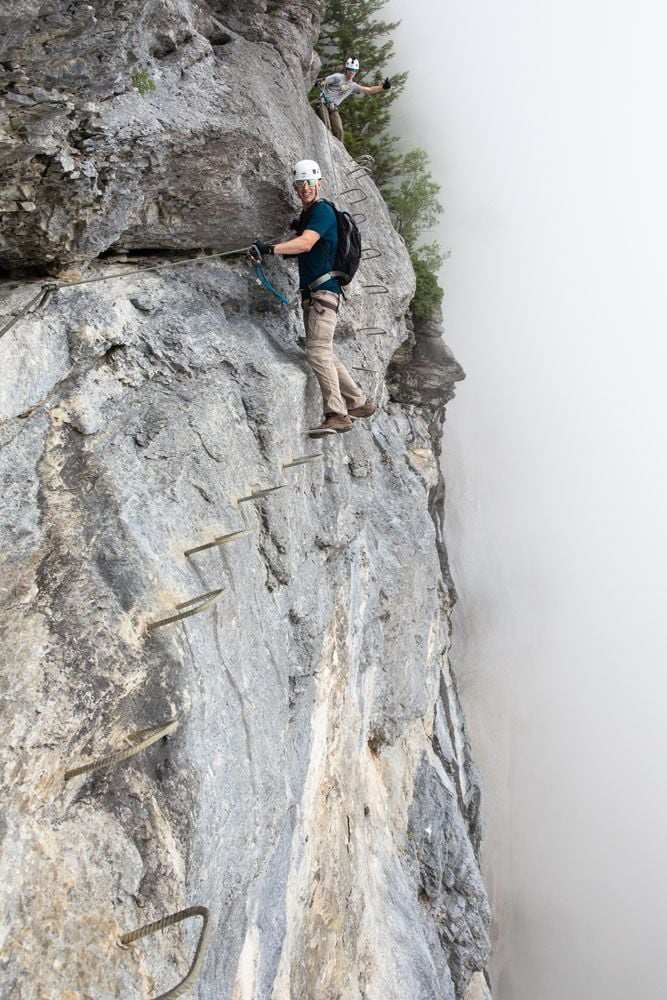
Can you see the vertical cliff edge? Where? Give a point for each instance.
(318, 795)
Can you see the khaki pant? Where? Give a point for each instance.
(332, 119)
(339, 390)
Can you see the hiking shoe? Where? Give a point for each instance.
(366, 409)
(333, 423)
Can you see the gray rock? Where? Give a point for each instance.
(197, 161)
(318, 795)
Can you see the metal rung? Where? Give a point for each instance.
(141, 740)
(361, 169)
(358, 217)
(358, 368)
(356, 201)
(302, 460)
(39, 300)
(366, 251)
(207, 600)
(376, 289)
(221, 540)
(262, 493)
(202, 944)
(365, 157)
(371, 331)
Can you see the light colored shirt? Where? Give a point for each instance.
(336, 88)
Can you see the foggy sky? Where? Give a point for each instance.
(546, 128)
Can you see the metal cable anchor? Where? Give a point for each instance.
(203, 603)
(302, 460)
(364, 196)
(220, 540)
(36, 302)
(261, 493)
(142, 739)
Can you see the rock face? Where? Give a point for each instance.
(319, 795)
(87, 160)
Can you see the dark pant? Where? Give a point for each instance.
(331, 118)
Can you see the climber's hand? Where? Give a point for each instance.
(263, 249)
(387, 84)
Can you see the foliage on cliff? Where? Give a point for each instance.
(350, 28)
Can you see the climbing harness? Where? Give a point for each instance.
(46, 291)
(160, 925)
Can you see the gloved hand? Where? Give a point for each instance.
(263, 249)
(387, 84)
(294, 224)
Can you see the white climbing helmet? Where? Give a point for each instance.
(306, 170)
(352, 64)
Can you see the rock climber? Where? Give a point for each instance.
(335, 89)
(316, 245)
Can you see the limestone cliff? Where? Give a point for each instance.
(318, 795)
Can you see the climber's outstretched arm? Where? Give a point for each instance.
(300, 244)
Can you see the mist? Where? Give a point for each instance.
(545, 127)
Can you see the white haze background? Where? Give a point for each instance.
(546, 128)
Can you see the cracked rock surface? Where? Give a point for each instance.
(319, 794)
(90, 156)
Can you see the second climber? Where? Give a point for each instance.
(337, 88)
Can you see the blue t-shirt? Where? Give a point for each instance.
(322, 257)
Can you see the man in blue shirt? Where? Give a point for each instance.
(316, 245)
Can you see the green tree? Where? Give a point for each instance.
(413, 199)
(413, 202)
(143, 82)
(426, 262)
